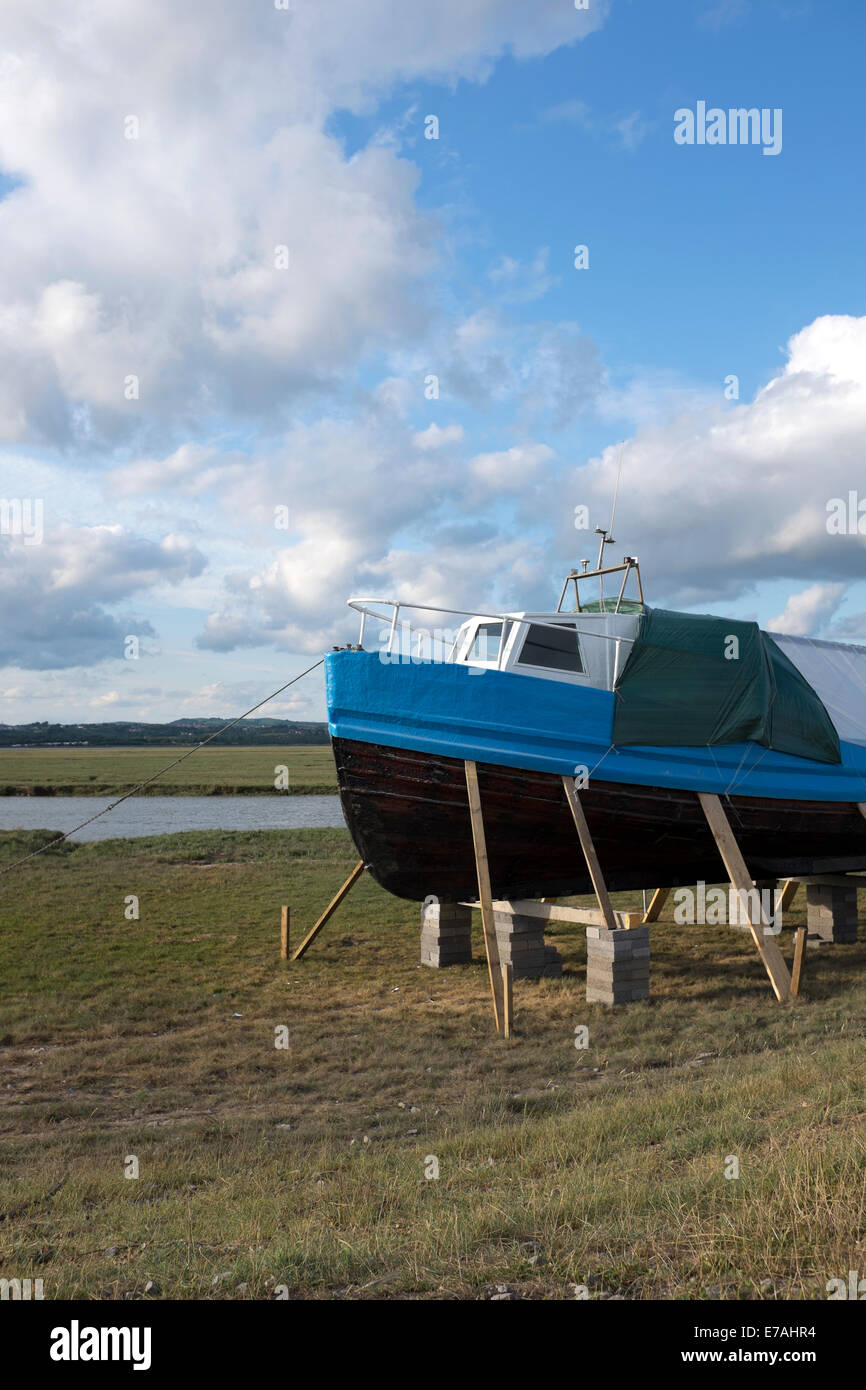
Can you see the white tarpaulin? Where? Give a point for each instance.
(836, 672)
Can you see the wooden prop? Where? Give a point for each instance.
(789, 892)
(799, 957)
(284, 933)
(485, 896)
(657, 902)
(589, 854)
(552, 912)
(735, 864)
(507, 998)
(330, 909)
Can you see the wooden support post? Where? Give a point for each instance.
(551, 912)
(330, 909)
(741, 880)
(657, 902)
(589, 854)
(284, 933)
(789, 892)
(507, 997)
(799, 956)
(485, 896)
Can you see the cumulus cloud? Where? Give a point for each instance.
(58, 597)
(218, 243)
(808, 612)
(510, 470)
(546, 372)
(713, 500)
(717, 499)
(437, 437)
(191, 470)
(362, 494)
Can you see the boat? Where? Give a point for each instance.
(644, 707)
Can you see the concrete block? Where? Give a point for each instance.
(446, 934)
(831, 913)
(617, 965)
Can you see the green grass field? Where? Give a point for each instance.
(213, 771)
(261, 1168)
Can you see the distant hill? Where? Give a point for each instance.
(179, 733)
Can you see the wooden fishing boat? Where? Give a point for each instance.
(644, 708)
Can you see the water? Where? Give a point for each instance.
(163, 815)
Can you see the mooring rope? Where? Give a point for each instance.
(146, 783)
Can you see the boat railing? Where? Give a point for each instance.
(361, 605)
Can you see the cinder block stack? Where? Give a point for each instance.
(831, 913)
(617, 965)
(521, 941)
(446, 934)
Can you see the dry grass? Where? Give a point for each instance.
(306, 1167)
(213, 771)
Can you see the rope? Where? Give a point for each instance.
(188, 754)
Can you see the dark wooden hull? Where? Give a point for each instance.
(408, 816)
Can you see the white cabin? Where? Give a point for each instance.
(580, 648)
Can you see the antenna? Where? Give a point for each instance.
(615, 491)
(606, 533)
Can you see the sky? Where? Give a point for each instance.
(300, 301)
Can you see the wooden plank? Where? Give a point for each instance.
(549, 912)
(507, 998)
(284, 933)
(657, 902)
(485, 896)
(330, 909)
(735, 864)
(799, 956)
(789, 893)
(589, 854)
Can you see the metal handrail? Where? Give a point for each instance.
(360, 606)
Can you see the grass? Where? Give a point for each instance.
(305, 1168)
(213, 772)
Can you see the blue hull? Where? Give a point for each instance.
(550, 726)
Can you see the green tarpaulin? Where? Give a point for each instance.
(696, 680)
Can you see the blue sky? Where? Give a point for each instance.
(409, 256)
(700, 258)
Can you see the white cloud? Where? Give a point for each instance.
(58, 597)
(808, 612)
(190, 470)
(436, 437)
(510, 470)
(542, 370)
(715, 500)
(154, 256)
(517, 282)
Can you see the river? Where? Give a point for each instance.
(164, 815)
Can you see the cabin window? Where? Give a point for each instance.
(486, 643)
(556, 648)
